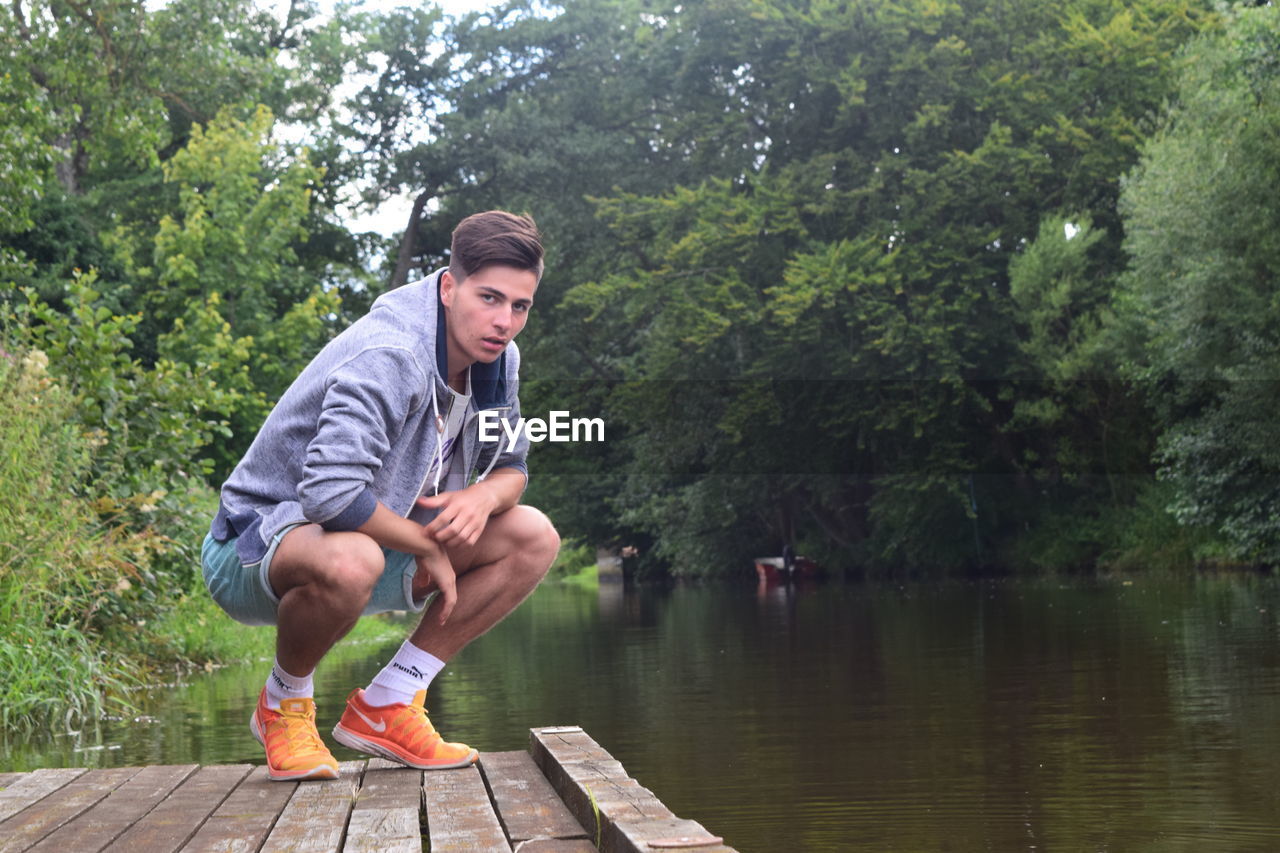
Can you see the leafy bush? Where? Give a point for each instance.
(60, 563)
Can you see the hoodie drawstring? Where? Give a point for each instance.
(493, 461)
(438, 461)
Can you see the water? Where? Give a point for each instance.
(996, 715)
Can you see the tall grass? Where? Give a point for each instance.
(59, 563)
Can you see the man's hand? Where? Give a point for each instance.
(463, 514)
(439, 572)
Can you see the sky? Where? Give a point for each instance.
(392, 215)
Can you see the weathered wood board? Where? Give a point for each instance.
(591, 782)
(315, 818)
(385, 816)
(241, 823)
(111, 816)
(50, 812)
(510, 802)
(33, 787)
(527, 805)
(459, 815)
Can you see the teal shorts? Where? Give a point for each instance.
(246, 594)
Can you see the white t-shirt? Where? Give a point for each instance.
(453, 411)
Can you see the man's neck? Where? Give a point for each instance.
(457, 368)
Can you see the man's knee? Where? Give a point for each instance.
(348, 564)
(535, 541)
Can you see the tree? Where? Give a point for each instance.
(1199, 298)
(901, 155)
(221, 271)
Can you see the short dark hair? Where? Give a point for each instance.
(495, 237)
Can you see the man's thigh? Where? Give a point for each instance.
(345, 560)
(308, 553)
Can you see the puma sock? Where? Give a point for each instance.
(408, 672)
(281, 685)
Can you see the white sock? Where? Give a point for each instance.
(281, 685)
(408, 672)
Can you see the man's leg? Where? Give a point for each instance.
(323, 581)
(494, 576)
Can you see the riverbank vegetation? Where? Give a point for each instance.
(918, 286)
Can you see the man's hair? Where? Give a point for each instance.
(495, 237)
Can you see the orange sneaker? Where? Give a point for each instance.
(400, 733)
(294, 748)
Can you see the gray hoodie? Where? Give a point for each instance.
(359, 426)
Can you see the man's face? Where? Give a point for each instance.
(485, 311)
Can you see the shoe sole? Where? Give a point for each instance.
(354, 741)
(320, 771)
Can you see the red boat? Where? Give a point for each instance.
(775, 569)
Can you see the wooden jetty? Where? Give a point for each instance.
(565, 795)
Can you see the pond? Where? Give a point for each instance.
(1103, 715)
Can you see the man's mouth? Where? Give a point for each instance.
(494, 343)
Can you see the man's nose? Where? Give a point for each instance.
(502, 319)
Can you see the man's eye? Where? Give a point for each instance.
(488, 297)
(520, 308)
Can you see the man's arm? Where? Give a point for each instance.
(400, 534)
(464, 513)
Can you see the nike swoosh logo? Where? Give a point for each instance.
(380, 726)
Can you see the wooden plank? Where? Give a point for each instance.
(7, 779)
(65, 804)
(34, 786)
(588, 779)
(527, 806)
(385, 816)
(119, 810)
(459, 814)
(168, 826)
(591, 781)
(315, 818)
(646, 835)
(556, 845)
(245, 817)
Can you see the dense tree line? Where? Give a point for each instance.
(923, 284)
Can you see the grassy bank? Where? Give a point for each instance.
(196, 630)
(99, 569)
(575, 565)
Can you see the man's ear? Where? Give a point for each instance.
(447, 287)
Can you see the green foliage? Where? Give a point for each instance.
(572, 559)
(220, 274)
(60, 565)
(826, 192)
(1146, 534)
(809, 260)
(23, 147)
(1199, 298)
(1060, 295)
(146, 431)
(146, 421)
(237, 217)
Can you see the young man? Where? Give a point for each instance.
(354, 499)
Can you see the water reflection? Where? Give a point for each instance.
(982, 716)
